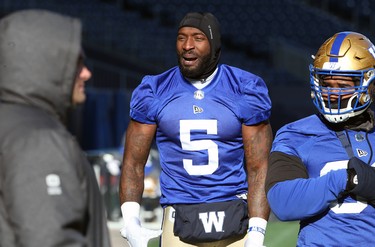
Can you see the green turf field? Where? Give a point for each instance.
(279, 234)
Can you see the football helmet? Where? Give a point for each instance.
(346, 54)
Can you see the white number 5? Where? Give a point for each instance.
(187, 144)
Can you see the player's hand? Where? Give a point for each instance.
(133, 232)
(136, 235)
(361, 179)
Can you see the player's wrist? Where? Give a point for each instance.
(256, 231)
(130, 211)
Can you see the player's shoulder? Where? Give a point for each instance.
(239, 78)
(160, 78)
(310, 125)
(300, 135)
(238, 72)
(154, 84)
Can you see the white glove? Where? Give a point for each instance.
(133, 232)
(256, 232)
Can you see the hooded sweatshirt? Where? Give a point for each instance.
(49, 195)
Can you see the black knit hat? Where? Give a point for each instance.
(209, 25)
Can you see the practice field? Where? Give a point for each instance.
(279, 234)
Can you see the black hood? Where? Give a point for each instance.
(210, 26)
(39, 51)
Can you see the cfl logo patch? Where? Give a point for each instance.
(199, 94)
(212, 219)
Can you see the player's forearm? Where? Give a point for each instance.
(131, 192)
(258, 208)
(137, 148)
(131, 184)
(257, 200)
(257, 145)
(302, 198)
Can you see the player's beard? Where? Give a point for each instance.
(197, 71)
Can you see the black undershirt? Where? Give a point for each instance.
(284, 167)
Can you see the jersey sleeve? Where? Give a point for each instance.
(301, 198)
(283, 167)
(257, 103)
(142, 102)
(293, 194)
(291, 141)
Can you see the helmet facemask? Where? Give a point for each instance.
(346, 56)
(340, 104)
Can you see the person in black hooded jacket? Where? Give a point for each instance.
(49, 195)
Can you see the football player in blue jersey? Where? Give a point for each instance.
(211, 123)
(321, 168)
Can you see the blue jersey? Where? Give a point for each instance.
(199, 131)
(325, 221)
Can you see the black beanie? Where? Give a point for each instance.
(209, 25)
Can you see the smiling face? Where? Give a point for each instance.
(193, 52)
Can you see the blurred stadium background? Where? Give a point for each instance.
(127, 39)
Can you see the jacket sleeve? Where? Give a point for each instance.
(45, 190)
(292, 195)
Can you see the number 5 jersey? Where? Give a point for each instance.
(199, 131)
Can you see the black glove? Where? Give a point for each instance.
(361, 179)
